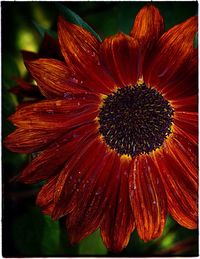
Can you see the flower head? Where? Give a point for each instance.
(117, 131)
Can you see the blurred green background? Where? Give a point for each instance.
(26, 232)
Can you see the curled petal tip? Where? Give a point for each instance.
(62, 22)
(28, 55)
(61, 19)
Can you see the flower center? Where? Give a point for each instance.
(135, 120)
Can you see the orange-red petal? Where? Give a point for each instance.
(54, 79)
(118, 221)
(180, 184)
(74, 170)
(186, 134)
(148, 198)
(174, 61)
(186, 121)
(25, 89)
(51, 160)
(29, 141)
(187, 104)
(184, 83)
(46, 195)
(29, 55)
(185, 154)
(148, 26)
(81, 52)
(120, 55)
(91, 198)
(50, 48)
(56, 114)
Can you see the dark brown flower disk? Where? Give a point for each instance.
(135, 120)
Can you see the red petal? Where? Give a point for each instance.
(24, 85)
(189, 149)
(92, 196)
(182, 84)
(118, 221)
(190, 118)
(25, 103)
(148, 198)
(179, 183)
(120, 54)
(187, 121)
(188, 104)
(166, 67)
(74, 170)
(45, 196)
(29, 55)
(53, 78)
(56, 114)
(28, 141)
(80, 50)
(185, 133)
(148, 26)
(50, 48)
(185, 154)
(50, 161)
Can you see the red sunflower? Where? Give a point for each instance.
(117, 133)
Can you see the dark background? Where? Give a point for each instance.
(26, 232)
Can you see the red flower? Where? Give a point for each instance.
(117, 134)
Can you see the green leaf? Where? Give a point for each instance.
(54, 240)
(42, 31)
(196, 40)
(51, 236)
(9, 70)
(27, 233)
(75, 18)
(92, 245)
(35, 234)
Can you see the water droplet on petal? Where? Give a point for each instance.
(75, 80)
(99, 190)
(66, 95)
(50, 111)
(75, 135)
(126, 173)
(58, 103)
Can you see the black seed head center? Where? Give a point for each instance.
(135, 120)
